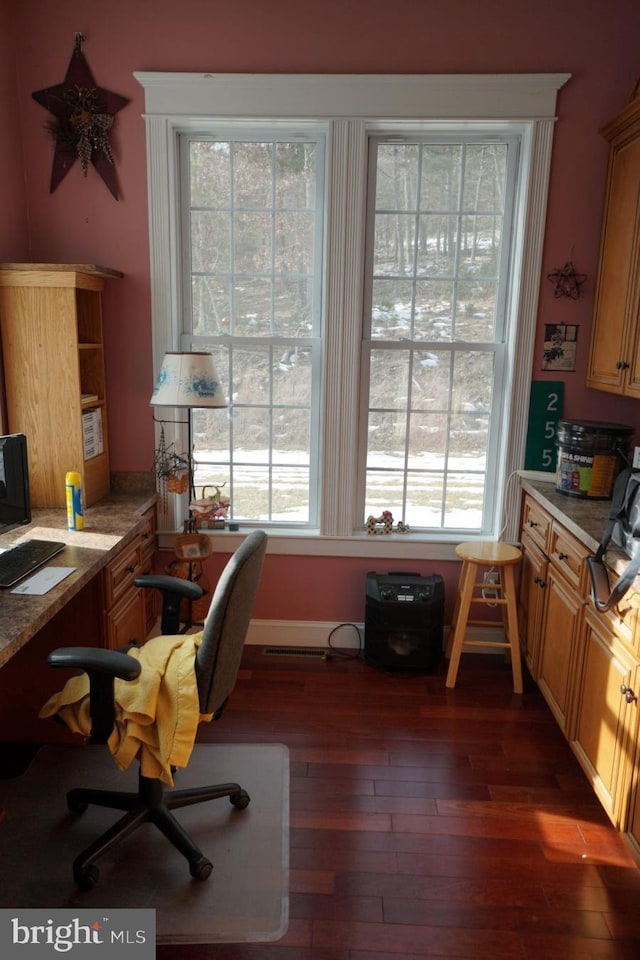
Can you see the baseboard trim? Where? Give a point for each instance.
(314, 633)
(305, 633)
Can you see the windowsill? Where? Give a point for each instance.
(395, 546)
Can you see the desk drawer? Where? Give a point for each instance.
(120, 573)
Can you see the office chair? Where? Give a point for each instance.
(216, 666)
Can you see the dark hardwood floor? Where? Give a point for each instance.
(428, 822)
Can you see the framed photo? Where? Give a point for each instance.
(560, 340)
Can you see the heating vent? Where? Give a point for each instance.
(293, 652)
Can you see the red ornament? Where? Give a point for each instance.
(84, 114)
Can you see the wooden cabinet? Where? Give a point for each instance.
(51, 320)
(129, 612)
(150, 598)
(536, 522)
(586, 663)
(633, 827)
(606, 720)
(533, 583)
(614, 361)
(558, 642)
(550, 605)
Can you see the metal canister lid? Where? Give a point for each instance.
(580, 427)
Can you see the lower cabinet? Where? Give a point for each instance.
(150, 599)
(586, 663)
(125, 621)
(558, 643)
(129, 612)
(533, 582)
(606, 715)
(633, 828)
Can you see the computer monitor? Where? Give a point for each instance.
(15, 502)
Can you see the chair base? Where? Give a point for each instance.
(152, 803)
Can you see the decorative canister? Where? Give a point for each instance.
(590, 456)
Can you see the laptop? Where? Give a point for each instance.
(19, 561)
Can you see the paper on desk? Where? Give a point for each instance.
(43, 581)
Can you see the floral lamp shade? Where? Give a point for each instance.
(188, 380)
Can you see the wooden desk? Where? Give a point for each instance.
(71, 614)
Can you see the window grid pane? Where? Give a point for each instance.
(433, 346)
(254, 235)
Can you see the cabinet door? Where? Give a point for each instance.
(531, 602)
(51, 319)
(151, 602)
(633, 826)
(605, 722)
(613, 338)
(125, 621)
(561, 621)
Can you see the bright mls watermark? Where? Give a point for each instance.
(78, 934)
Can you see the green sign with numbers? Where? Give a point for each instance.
(545, 409)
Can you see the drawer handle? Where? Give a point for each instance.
(622, 365)
(563, 556)
(540, 581)
(130, 569)
(628, 694)
(533, 523)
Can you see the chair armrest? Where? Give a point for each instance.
(158, 581)
(95, 661)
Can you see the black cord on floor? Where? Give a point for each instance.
(342, 653)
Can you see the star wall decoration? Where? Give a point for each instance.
(83, 116)
(566, 281)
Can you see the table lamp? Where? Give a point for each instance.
(188, 380)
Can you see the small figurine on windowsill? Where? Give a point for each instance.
(382, 524)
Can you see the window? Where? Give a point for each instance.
(436, 331)
(396, 292)
(252, 212)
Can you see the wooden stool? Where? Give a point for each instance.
(475, 556)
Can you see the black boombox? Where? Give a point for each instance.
(404, 621)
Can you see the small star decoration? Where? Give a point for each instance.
(566, 281)
(83, 116)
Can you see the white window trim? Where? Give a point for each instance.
(351, 106)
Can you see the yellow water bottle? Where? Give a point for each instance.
(75, 514)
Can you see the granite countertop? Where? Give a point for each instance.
(585, 519)
(108, 526)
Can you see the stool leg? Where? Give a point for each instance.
(513, 634)
(454, 618)
(465, 595)
(464, 572)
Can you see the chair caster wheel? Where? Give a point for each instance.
(242, 801)
(200, 869)
(86, 877)
(74, 803)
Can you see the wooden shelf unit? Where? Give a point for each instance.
(53, 354)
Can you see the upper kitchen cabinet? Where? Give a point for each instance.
(614, 360)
